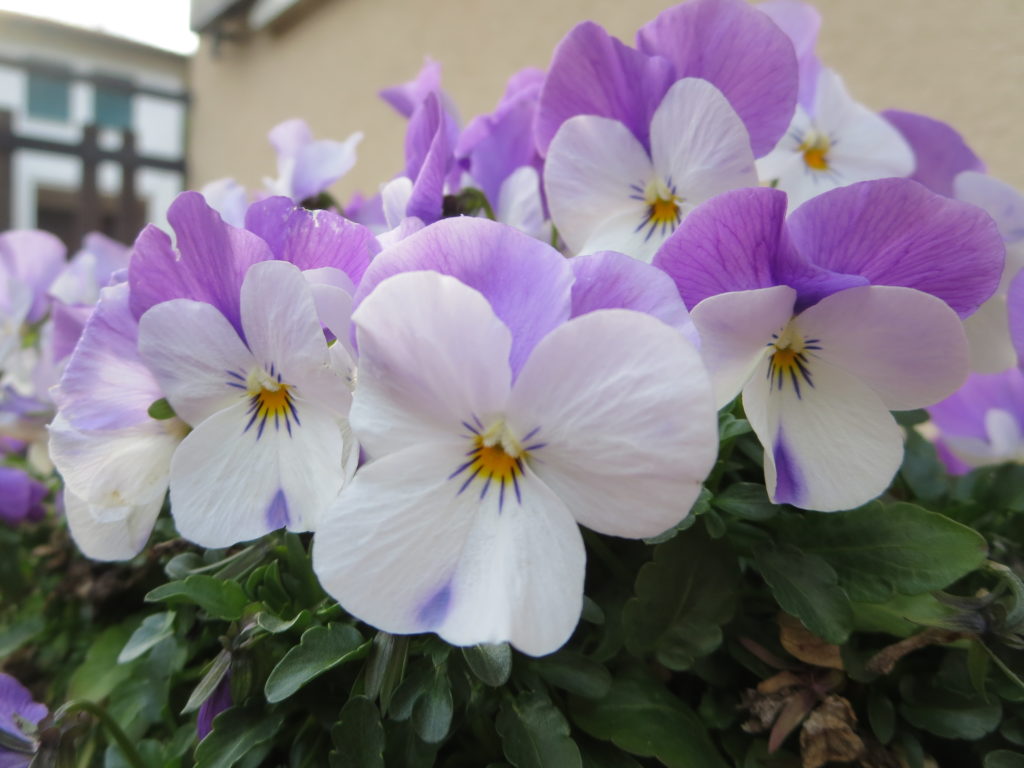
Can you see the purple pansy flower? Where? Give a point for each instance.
(494, 425)
(19, 718)
(306, 167)
(940, 153)
(730, 44)
(21, 497)
(822, 350)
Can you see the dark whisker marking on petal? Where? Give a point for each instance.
(236, 385)
(470, 427)
(461, 469)
(487, 484)
(515, 483)
(236, 375)
(535, 446)
(469, 479)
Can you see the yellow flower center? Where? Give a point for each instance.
(663, 207)
(496, 459)
(270, 400)
(815, 147)
(790, 359)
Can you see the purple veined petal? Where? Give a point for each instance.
(105, 384)
(34, 258)
(94, 267)
(801, 22)
(429, 158)
(366, 211)
(405, 98)
(604, 395)
(321, 163)
(526, 282)
(610, 280)
(526, 79)
(16, 704)
(211, 260)
(432, 355)
(997, 198)
(738, 241)
(20, 497)
(312, 239)
(940, 152)
(593, 73)
(737, 49)
(405, 551)
(896, 232)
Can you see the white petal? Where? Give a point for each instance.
(190, 347)
(700, 143)
(835, 446)
(622, 233)
(735, 329)
(395, 199)
(403, 550)
(907, 345)
(619, 406)
(110, 533)
(864, 144)
(114, 468)
(280, 320)
(520, 204)
(785, 163)
(591, 164)
(232, 484)
(432, 354)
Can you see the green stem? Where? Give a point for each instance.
(123, 742)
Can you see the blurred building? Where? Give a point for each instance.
(92, 130)
(263, 61)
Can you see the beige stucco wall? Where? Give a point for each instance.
(959, 60)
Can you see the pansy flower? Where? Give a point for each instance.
(19, 719)
(494, 428)
(830, 320)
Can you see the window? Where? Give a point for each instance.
(113, 107)
(48, 95)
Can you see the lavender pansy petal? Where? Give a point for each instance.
(106, 385)
(312, 239)
(738, 241)
(34, 258)
(428, 160)
(962, 414)
(217, 702)
(939, 151)
(289, 137)
(1015, 313)
(740, 51)
(214, 257)
(20, 496)
(321, 163)
(896, 232)
(593, 73)
(405, 98)
(997, 198)
(610, 280)
(526, 281)
(68, 324)
(801, 22)
(16, 701)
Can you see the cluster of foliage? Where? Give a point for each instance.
(755, 635)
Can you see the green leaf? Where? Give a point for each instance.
(882, 716)
(729, 427)
(202, 691)
(1004, 758)
(359, 735)
(806, 586)
(221, 599)
(432, 712)
(386, 667)
(235, 733)
(151, 631)
(573, 672)
(881, 550)
(901, 615)
(319, 649)
(535, 734)
(274, 625)
(978, 662)
(492, 664)
(950, 715)
(683, 596)
(643, 718)
(921, 468)
(748, 501)
(99, 673)
(161, 410)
